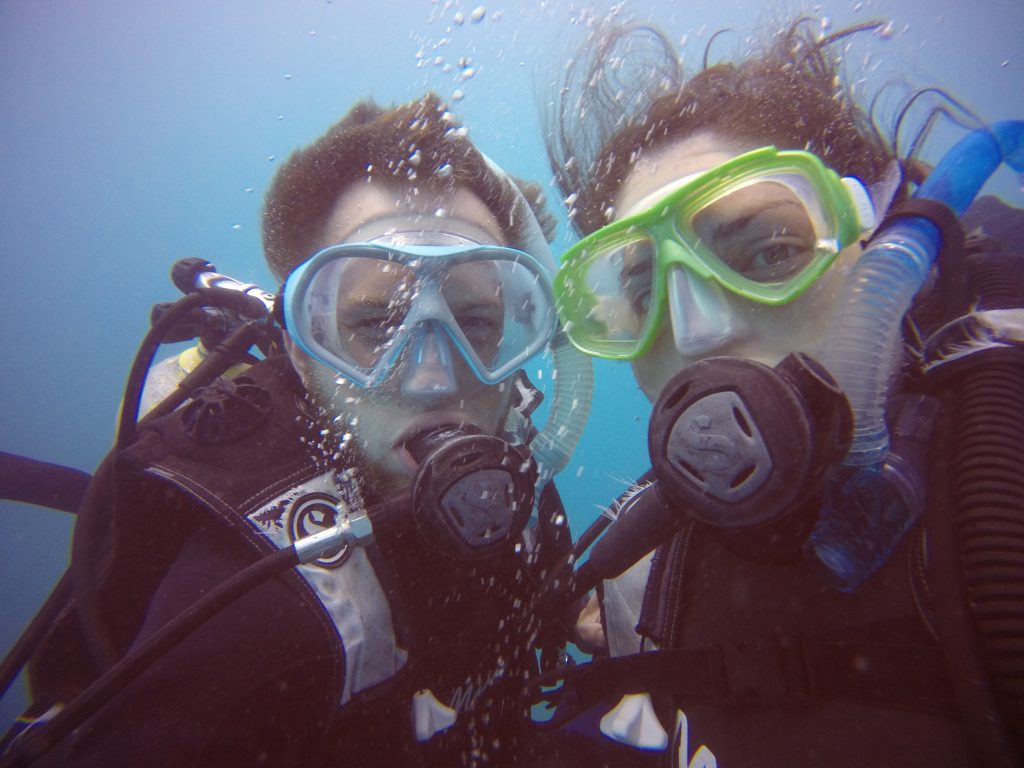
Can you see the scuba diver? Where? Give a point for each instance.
(325, 553)
(824, 565)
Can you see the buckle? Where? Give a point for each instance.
(764, 673)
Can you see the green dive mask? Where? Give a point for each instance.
(764, 225)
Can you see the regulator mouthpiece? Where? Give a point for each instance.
(473, 493)
(742, 447)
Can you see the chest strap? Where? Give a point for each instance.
(781, 671)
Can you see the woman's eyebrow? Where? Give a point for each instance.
(730, 228)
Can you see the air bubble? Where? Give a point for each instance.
(458, 95)
(459, 18)
(478, 14)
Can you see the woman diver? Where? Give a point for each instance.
(805, 602)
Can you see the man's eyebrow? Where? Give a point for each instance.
(730, 228)
(368, 305)
(474, 303)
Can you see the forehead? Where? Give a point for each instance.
(661, 165)
(366, 210)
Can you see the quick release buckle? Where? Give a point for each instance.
(764, 673)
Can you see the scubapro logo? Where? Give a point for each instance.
(313, 513)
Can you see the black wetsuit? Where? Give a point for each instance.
(262, 682)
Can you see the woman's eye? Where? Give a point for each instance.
(640, 302)
(636, 276)
(777, 260)
(772, 255)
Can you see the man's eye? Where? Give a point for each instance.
(635, 278)
(478, 327)
(377, 330)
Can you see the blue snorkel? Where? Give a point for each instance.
(862, 352)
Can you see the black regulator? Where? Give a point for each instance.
(738, 447)
(473, 493)
(744, 448)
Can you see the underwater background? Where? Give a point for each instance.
(135, 134)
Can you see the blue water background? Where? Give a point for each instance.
(134, 134)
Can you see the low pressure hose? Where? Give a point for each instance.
(862, 342)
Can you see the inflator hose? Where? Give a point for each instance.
(989, 519)
(89, 543)
(38, 482)
(976, 537)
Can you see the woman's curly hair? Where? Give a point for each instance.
(626, 93)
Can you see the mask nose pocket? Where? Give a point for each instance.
(702, 320)
(429, 364)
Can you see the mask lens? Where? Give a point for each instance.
(501, 308)
(357, 305)
(767, 232)
(612, 311)
(356, 309)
